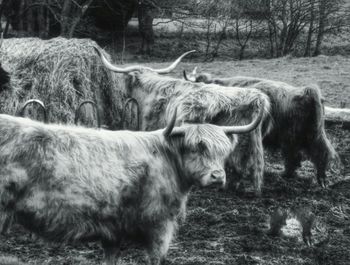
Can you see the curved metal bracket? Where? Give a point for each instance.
(34, 101)
(127, 102)
(94, 105)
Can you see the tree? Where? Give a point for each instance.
(311, 29)
(246, 19)
(216, 15)
(329, 18)
(62, 17)
(146, 10)
(286, 21)
(71, 14)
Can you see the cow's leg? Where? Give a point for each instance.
(321, 173)
(13, 179)
(159, 241)
(292, 160)
(322, 154)
(5, 222)
(320, 160)
(111, 252)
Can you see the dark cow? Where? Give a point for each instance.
(71, 184)
(298, 121)
(198, 103)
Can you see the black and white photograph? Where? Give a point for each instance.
(175, 132)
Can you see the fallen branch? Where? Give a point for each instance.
(337, 116)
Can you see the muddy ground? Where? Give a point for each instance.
(225, 227)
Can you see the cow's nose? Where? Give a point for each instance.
(218, 175)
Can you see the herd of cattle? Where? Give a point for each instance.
(70, 183)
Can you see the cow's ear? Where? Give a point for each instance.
(131, 78)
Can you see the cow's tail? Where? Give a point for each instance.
(13, 180)
(267, 120)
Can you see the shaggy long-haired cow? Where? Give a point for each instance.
(298, 121)
(198, 103)
(71, 184)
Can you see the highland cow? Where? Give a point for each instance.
(298, 121)
(198, 103)
(71, 184)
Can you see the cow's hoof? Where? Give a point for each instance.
(307, 240)
(322, 183)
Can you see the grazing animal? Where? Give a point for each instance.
(71, 184)
(298, 121)
(198, 103)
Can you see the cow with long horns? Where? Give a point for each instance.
(197, 103)
(71, 184)
(298, 121)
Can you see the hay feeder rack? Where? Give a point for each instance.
(94, 105)
(33, 101)
(131, 101)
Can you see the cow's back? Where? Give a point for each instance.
(80, 184)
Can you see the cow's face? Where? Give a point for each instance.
(203, 148)
(204, 151)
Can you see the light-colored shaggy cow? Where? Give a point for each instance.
(70, 184)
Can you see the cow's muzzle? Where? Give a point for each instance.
(218, 177)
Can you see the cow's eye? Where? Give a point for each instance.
(202, 147)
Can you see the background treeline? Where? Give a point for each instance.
(272, 28)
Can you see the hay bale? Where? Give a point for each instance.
(61, 73)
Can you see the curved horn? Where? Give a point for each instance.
(114, 68)
(173, 65)
(36, 101)
(185, 75)
(169, 129)
(139, 67)
(192, 79)
(246, 128)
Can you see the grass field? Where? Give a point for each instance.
(223, 227)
